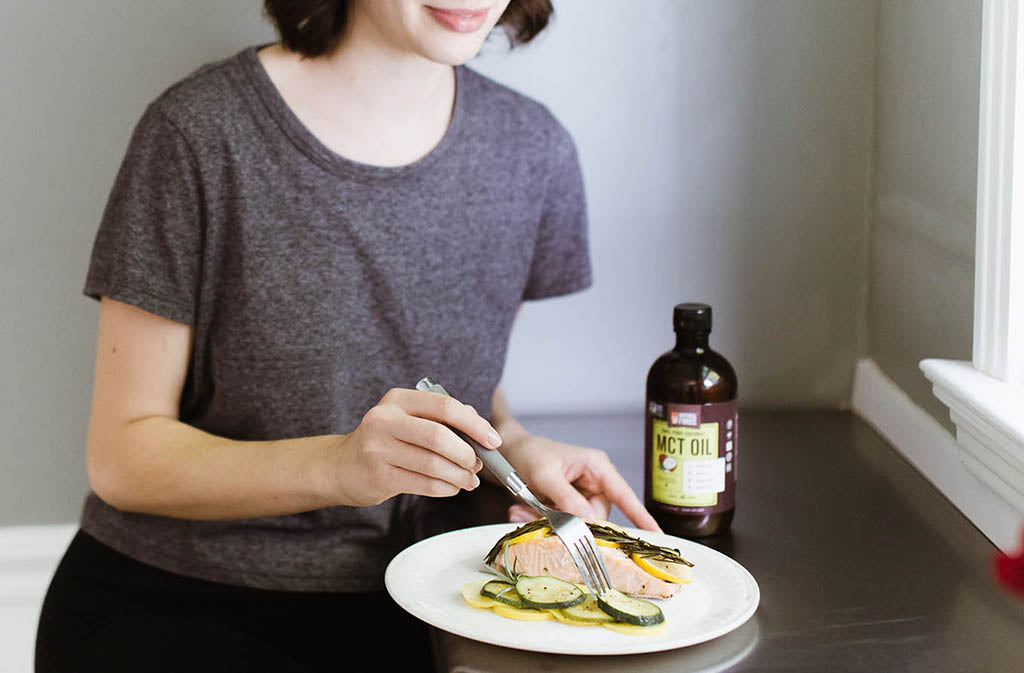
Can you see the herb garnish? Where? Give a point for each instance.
(627, 543)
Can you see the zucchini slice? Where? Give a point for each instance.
(560, 616)
(630, 610)
(503, 592)
(548, 593)
(588, 612)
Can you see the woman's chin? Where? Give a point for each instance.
(452, 51)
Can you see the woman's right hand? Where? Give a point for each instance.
(402, 445)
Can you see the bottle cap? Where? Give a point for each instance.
(692, 317)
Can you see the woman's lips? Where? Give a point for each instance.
(459, 20)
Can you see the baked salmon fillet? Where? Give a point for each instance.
(532, 549)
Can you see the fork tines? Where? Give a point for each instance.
(590, 557)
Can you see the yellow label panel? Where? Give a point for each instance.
(686, 469)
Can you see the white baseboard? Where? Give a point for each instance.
(934, 452)
(28, 557)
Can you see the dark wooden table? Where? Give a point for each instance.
(862, 564)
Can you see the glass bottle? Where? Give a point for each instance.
(690, 432)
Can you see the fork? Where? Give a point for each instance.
(571, 530)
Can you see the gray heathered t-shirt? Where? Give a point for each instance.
(314, 284)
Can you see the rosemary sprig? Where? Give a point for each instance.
(627, 543)
(633, 545)
(492, 555)
(510, 573)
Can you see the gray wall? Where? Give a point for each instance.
(921, 287)
(726, 151)
(74, 78)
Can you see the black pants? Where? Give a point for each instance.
(107, 612)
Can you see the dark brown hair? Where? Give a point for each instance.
(313, 27)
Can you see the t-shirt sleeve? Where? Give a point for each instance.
(561, 256)
(147, 250)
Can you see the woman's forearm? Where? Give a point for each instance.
(141, 458)
(159, 465)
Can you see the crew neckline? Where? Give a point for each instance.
(312, 146)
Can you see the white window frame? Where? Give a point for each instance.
(986, 395)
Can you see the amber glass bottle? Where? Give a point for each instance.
(691, 432)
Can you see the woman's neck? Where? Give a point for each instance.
(367, 101)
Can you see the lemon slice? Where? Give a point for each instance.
(529, 537)
(676, 573)
(606, 543)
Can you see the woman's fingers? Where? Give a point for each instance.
(435, 437)
(445, 410)
(430, 464)
(416, 483)
(601, 505)
(607, 488)
(521, 513)
(616, 490)
(564, 495)
(404, 445)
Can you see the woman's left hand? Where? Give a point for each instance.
(574, 479)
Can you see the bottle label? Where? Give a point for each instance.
(693, 455)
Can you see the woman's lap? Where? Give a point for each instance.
(105, 611)
(153, 643)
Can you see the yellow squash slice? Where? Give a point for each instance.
(471, 592)
(631, 630)
(522, 614)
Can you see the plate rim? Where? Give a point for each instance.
(640, 647)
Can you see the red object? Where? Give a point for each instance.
(1009, 570)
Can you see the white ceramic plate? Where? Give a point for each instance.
(427, 577)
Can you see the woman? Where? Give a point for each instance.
(296, 236)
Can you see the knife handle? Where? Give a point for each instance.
(494, 461)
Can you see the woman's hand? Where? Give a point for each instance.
(402, 446)
(575, 479)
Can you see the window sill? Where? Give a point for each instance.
(989, 418)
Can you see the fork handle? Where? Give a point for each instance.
(494, 461)
(498, 466)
